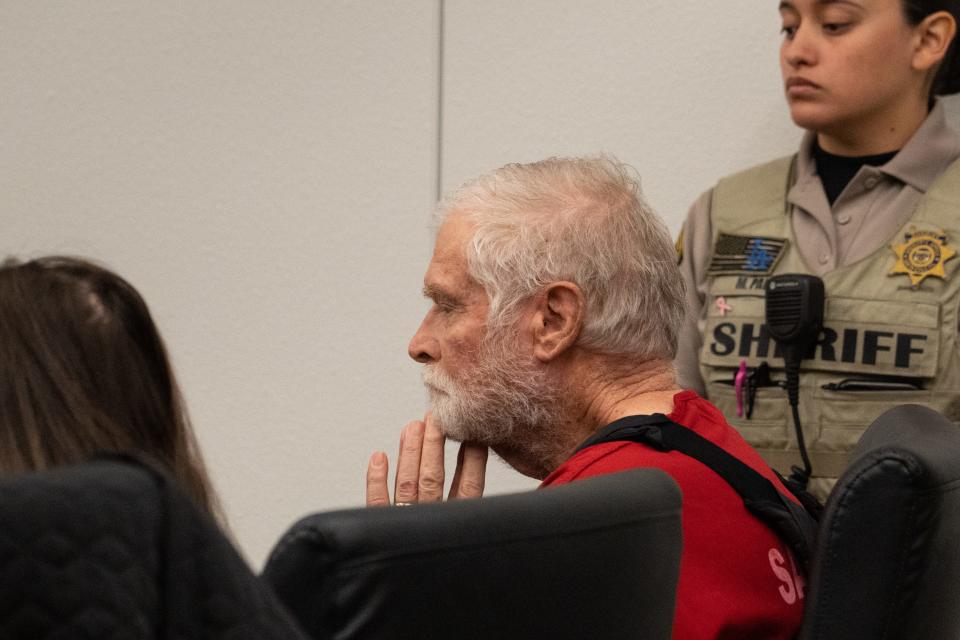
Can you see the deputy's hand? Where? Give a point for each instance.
(420, 473)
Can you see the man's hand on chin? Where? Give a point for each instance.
(420, 474)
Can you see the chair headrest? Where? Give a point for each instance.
(887, 562)
(595, 558)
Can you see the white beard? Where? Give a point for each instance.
(505, 399)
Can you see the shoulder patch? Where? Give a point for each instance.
(750, 255)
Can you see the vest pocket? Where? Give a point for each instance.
(768, 426)
(845, 414)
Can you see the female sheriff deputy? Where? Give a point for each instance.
(870, 204)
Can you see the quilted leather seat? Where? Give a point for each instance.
(111, 550)
(887, 563)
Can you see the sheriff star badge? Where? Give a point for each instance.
(922, 255)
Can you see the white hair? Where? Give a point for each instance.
(583, 220)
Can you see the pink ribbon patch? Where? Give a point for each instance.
(722, 306)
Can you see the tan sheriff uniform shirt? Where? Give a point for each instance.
(869, 215)
(866, 216)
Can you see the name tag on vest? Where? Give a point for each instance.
(859, 336)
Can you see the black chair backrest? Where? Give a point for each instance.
(598, 558)
(887, 563)
(112, 550)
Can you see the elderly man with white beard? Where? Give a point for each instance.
(557, 301)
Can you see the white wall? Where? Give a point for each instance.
(263, 172)
(684, 91)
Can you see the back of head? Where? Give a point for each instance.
(947, 79)
(582, 220)
(83, 370)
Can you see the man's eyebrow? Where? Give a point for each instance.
(784, 5)
(437, 294)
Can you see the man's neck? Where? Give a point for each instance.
(600, 391)
(626, 391)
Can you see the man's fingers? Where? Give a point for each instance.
(456, 472)
(408, 463)
(471, 473)
(377, 491)
(430, 483)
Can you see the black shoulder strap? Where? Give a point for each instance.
(790, 521)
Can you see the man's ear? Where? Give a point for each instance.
(557, 319)
(935, 33)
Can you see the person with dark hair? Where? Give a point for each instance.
(83, 370)
(869, 205)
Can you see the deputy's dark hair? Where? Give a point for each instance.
(947, 79)
(83, 370)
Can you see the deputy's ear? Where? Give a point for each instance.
(934, 35)
(557, 319)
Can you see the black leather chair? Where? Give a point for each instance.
(887, 563)
(111, 550)
(598, 558)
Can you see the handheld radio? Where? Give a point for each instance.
(794, 317)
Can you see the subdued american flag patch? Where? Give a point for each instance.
(751, 255)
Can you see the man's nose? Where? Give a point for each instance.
(423, 348)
